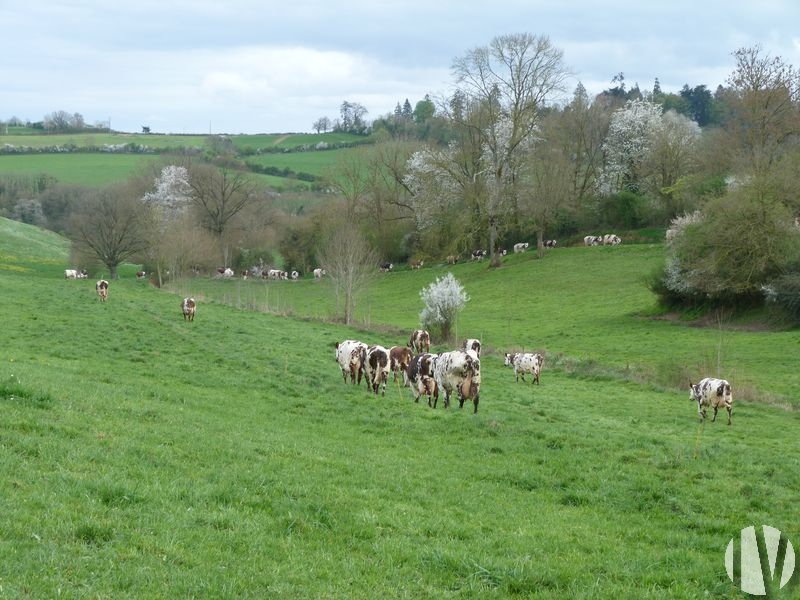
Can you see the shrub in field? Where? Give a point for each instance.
(443, 300)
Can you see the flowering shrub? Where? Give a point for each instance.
(443, 300)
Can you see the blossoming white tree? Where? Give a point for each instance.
(443, 300)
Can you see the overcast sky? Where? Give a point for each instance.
(265, 66)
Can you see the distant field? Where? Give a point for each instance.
(83, 140)
(94, 169)
(313, 162)
(292, 140)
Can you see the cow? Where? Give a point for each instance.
(417, 264)
(141, 274)
(419, 375)
(319, 273)
(611, 239)
(520, 247)
(478, 255)
(472, 345)
(420, 341)
(593, 240)
(377, 368)
(458, 371)
(452, 259)
(525, 362)
(386, 267)
(188, 308)
(226, 272)
(295, 275)
(101, 287)
(274, 274)
(70, 274)
(399, 357)
(712, 392)
(352, 358)
(550, 243)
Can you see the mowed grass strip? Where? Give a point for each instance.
(147, 457)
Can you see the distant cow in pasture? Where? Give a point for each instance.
(520, 247)
(593, 240)
(319, 273)
(478, 255)
(714, 393)
(352, 358)
(101, 287)
(417, 264)
(419, 375)
(420, 341)
(76, 274)
(611, 239)
(377, 368)
(399, 358)
(386, 267)
(550, 243)
(525, 362)
(458, 371)
(295, 275)
(226, 272)
(141, 274)
(452, 259)
(188, 308)
(472, 345)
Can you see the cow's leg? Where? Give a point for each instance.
(475, 401)
(714, 418)
(730, 411)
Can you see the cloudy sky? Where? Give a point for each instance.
(263, 66)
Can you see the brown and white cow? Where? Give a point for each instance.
(420, 341)
(377, 368)
(472, 345)
(419, 376)
(101, 287)
(550, 243)
(352, 358)
(417, 264)
(452, 259)
(458, 371)
(188, 308)
(525, 362)
(712, 392)
(593, 240)
(611, 239)
(399, 358)
(141, 274)
(386, 267)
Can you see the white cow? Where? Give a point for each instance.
(318, 273)
(593, 240)
(458, 371)
(712, 392)
(611, 239)
(520, 247)
(352, 358)
(525, 362)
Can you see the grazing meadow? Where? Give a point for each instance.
(148, 457)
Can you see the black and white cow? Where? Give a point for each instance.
(593, 240)
(386, 267)
(550, 243)
(420, 341)
(611, 239)
(525, 362)
(419, 375)
(520, 247)
(377, 368)
(319, 273)
(714, 393)
(458, 371)
(352, 358)
(472, 345)
(478, 255)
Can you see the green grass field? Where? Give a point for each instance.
(147, 457)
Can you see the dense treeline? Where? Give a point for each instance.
(502, 160)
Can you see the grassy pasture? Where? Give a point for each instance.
(84, 140)
(312, 162)
(95, 169)
(147, 457)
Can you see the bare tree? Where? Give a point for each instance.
(350, 264)
(109, 227)
(218, 195)
(508, 82)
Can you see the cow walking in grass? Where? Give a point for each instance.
(525, 362)
(714, 393)
(188, 308)
(101, 287)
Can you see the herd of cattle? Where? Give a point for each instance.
(427, 374)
